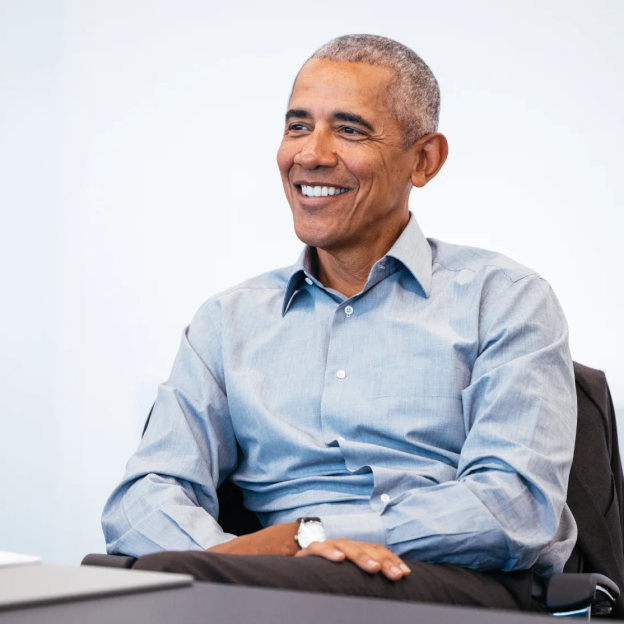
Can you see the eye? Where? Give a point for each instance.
(352, 132)
(297, 127)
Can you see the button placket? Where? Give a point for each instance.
(340, 380)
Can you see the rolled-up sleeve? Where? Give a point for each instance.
(505, 505)
(167, 499)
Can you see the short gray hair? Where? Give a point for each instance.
(413, 93)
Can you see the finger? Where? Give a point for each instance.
(392, 570)
(360, 553)
(322, 549)
(392, 565)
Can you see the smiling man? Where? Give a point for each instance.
(399, 412)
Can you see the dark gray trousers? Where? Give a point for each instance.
(435, 583)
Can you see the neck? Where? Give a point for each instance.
(347, 268)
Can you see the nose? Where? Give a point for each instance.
(317, 151)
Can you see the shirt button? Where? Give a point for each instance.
(381, 267)
(309, 281)
(348, 310)
(341, 374)
(385, 498)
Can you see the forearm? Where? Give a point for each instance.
(167, 499)
(455, 523)
(495, 523)
(275, 540)
(157, 513)
(365, 527)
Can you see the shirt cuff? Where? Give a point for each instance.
(356, 527)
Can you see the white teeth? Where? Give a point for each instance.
(321, 191)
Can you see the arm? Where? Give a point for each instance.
(167, 499)
(505, 504)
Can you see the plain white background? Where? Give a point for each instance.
(138, 177)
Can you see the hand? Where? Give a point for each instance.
(275, 540)
(370, 557)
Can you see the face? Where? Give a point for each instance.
(344, 168)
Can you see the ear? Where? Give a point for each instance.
(430, 154)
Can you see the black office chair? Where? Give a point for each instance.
(595, 497)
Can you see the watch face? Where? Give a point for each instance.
(310, 531)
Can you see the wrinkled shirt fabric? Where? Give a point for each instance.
(434, 412)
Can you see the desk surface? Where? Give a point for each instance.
(208, 603)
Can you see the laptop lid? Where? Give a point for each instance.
(47, 583)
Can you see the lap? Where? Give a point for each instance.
(434, 583)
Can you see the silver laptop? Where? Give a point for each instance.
(46, 583)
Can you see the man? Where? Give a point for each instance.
(412, 401)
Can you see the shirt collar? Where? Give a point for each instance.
(411, 249)
(306, 266)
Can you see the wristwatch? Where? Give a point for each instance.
(310, 530)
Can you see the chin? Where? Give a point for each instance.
(315, 234)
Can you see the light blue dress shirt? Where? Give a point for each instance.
(434, 412)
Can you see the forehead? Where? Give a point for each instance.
(323, 85)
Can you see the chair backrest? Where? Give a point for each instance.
(234, 517)
(596, 486)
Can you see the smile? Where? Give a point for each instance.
(321, 191)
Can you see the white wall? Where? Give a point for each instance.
(138, 177)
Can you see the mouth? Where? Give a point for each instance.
(309, 190)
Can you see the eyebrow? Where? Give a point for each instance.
(298, 113)
(353, 118)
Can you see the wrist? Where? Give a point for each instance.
(311, 530)
(289, 544)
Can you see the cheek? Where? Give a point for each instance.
(285, 158)
(365, 164)
(370, 174)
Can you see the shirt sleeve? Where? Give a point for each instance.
(167, 499)
(506, 503)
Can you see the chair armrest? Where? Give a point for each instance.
(108, 561)
(576, 592)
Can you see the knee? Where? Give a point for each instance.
(203, 566)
